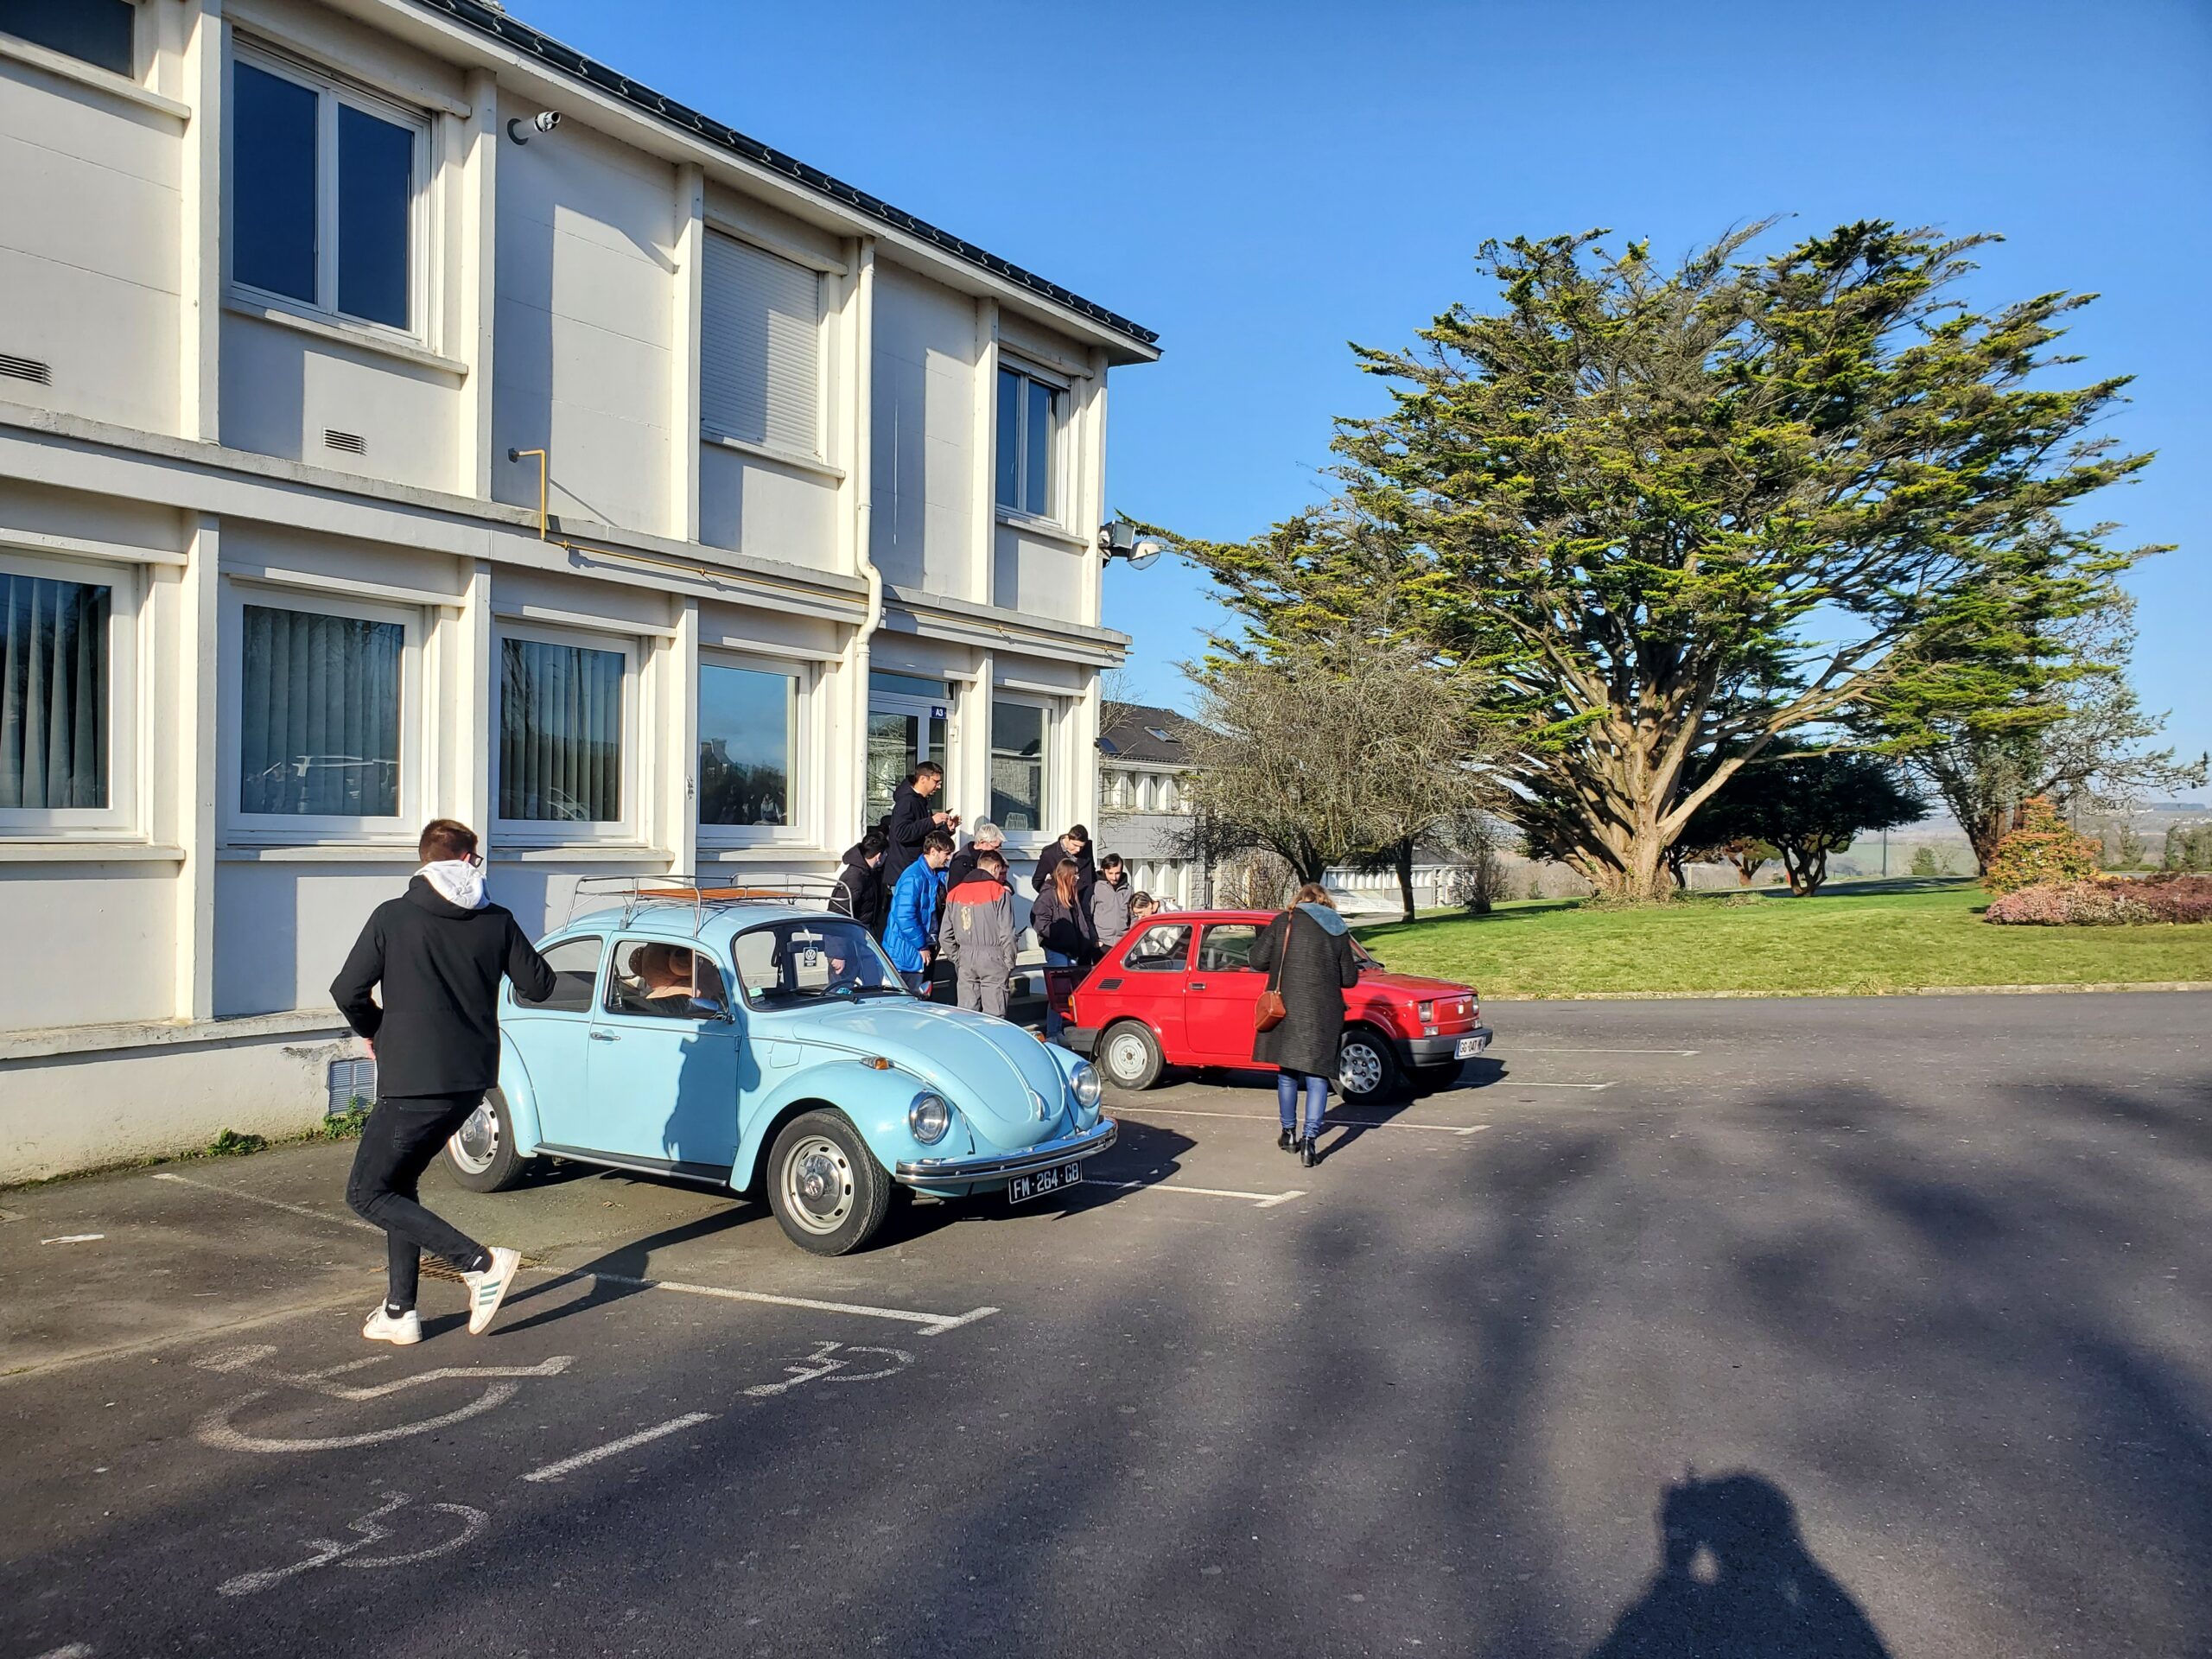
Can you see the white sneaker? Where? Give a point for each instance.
(487, 1289)
(403, 1332)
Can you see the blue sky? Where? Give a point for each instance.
(1263, 182)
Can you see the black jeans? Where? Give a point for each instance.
(402, 1136)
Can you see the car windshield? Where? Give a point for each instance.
(812, 960)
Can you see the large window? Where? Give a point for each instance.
(1029, 424)
(319, 703)
(97, 31)
(749, 743)
(759, 348)
(563, 736)
(1018, 767)
(324, 184)
(54, 696)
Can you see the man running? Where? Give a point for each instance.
(439, 951)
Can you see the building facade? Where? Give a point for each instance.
(375, 447)
(1144, 806)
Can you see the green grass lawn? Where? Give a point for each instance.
(1865, 937)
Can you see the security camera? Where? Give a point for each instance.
(543, 121)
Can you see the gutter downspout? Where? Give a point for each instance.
(863, 462)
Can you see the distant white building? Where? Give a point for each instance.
(1144, 802)
(374, 448)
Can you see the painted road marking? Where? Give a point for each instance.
(372, 1531)
(74, 1650)
(615, 1448)
(73, 1238)
(1510, 1081)
(1260, 1200)
(215, 1429)
(1522, 1048)
(1327, 1123)
(932, 1325)
(273, 1204)
(823, 1362)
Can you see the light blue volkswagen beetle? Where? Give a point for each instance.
(760, 1042)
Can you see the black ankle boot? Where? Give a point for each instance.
(1286, 1141)
(1308, 1155)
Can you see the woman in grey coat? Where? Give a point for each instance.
(1307, 952)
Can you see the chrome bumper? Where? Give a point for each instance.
(952, 1171)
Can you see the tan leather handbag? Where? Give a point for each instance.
(1268, 1011)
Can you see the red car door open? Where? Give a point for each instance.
(1222, 990)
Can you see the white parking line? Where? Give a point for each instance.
(1523, 1048)
(1260, 1200)
(615, 1448)
(932, 1325)
(1511, 1082)
(1326, 1123)
(273, 1204)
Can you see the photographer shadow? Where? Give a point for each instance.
(1736, 1582)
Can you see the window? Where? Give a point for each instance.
(1029, 420)
(324, 184)
(1167, 794)
(810, 960)
(96, 31)
(662, 981)
(319, 703)
(1161, 948)
(748, 735)
(1144, 794)
(1018, 767)
(759, 348)
(55, 695)
(574, 963)
(1227, 946)
(563, 726)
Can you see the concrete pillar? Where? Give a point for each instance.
(199, 277)
(983, 540)
(475, 278)
(192, 784)
(684, 358)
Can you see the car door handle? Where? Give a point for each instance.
(1198, 984)
(605, 1037)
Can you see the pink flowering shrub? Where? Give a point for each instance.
(2177, 898)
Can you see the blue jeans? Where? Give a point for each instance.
(1317, 1100)
(1053, 1023)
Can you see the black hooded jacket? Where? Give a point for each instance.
(912, 817)
(859, 892)
(437, 1028)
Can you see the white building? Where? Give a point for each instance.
(370, 453)
(1144, 806)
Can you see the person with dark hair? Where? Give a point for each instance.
(435, 954)
(911, 818)
(1307, 954)
(859, 892)
(980, 936)
(910, 927)
(1075, 844)
(1110, 899)
(1063, 924)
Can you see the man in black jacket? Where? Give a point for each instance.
(988, 838)
(439, 952)
(911, 818)
(859, 892)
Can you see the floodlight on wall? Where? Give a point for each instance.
(1120, 540)
(543, 121)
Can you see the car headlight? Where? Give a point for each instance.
(928, 1118)
(1427, 1012)
(1083, 1084)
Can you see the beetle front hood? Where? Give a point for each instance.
(999, 1075)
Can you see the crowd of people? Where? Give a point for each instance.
(934, 900)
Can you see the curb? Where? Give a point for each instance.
(1903, 990)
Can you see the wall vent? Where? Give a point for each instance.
(26, 368)
(352, 1087)
(352, 442)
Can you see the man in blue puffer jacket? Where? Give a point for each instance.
(910, 926)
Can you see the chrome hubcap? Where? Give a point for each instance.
(476, 1143)
(1125, 1056)
(1360, 1069)
(819, 1185)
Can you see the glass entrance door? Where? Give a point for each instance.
(903, 731)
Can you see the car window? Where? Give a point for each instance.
(812, 960)
(1161, 948)
(574, 963)
(1227, 945)
(660, 980)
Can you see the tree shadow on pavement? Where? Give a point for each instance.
(1736, 1582)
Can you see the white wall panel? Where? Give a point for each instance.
(282, 929)
(88, 944)
(755, 506)
(1036, 577)
(923, 431)
(283, 391)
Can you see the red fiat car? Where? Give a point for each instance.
(1177, 991)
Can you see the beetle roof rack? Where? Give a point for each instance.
(701, 895)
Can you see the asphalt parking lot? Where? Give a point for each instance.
(1738, 1328)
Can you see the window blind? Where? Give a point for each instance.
(53, 711)
(759, 347)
